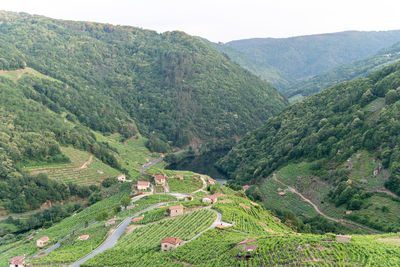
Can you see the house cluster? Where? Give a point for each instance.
(18, 261)
(247, 247)
(41, 242)
(170, 243)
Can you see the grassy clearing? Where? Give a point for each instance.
(15, 75)
(132, 153)
(93, 172)
(72, 249)
(364, 164)
(289, 201)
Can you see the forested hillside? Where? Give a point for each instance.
(356, 69)
(335, 124)
(274, 76)
(120, 79)
(305, 56)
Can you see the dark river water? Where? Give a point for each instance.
(202, 164)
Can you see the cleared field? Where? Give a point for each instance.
(132, 153)
(84, 168)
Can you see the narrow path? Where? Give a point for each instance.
(156, 161)
(112, 239)
(85, 164)
(204, 185)
(217, 221)
(383, 190)
(341, 221)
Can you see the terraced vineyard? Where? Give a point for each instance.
(84, 168)
(253, 221)
(148, 238)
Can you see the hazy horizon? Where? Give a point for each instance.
(224, 21)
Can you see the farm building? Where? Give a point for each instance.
(143, 185)
(343, 238)
(83, 237)
(245, 187)
(121, 178)
(209, 199)
(17, 261)
(211, 181)
(170, 243)
(179, 176)
(111, 222)
(41, 242)
(159, 179)
(175, 210)
(137, 219)
(247, 247)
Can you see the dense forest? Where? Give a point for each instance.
(329, 126)
(302, 57)
(356, 69)
(125, 79)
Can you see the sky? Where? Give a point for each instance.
(225, 20)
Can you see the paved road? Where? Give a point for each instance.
(113, 238)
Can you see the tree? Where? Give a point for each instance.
(125, 201)
(391, 97)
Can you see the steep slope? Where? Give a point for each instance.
(259, 68)
(118, 78)
(359, 68)
(335, 153)
(305, 56)
(335, 123)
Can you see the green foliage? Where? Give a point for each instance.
(121, 79)
(155, 144)
(330, 125)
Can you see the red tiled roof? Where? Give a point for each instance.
(180, 176)
(176, 207)
(220, 226)
(83, 237)
(143, 183)
(137, 219)
(44, 239)
(17, 258)
(246, 241)
(245, 187)
(213, 197)
(171, 240)
(111, 220)
(160, 177)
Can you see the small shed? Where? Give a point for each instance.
(137, 219)
(160, 179)
(111, 222)
(143, 185)
(17, 261)
(245, 187)
(180, 176)
(174, 211)
(170, 243)
(83, 237)
(209, 199)
(41, 242)
(343, 238)
(121, 178)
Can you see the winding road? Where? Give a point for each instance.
(113, 237)
(341, 221)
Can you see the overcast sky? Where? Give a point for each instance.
(225, 20)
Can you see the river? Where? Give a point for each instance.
(202, 164)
